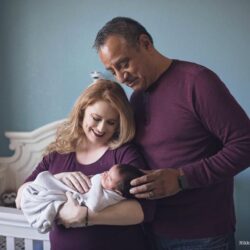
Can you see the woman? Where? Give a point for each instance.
(95, 137)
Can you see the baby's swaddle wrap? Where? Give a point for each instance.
(42, 198)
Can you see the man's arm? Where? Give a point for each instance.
(224, 119)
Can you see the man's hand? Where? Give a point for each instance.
(71, 214)
(156, 184)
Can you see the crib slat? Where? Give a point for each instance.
(46, 245)
(10, 243)
(28, 244)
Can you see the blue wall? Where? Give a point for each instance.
(46, 56)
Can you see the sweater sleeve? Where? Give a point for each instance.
(42, 166)
(226, 121)
(129, 154)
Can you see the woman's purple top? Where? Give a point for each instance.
(96, 237)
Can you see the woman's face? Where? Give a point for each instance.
(100, 122)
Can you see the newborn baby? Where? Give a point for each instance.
(42, 198)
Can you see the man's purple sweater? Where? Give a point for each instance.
(188, 119)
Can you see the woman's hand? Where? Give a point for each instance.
(156, 184)
(75, 180)
(71, 214)
(19, 195)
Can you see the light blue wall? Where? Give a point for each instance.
(46, 56)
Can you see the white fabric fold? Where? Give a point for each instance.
(42, 198)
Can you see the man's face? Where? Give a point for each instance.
(131, 65)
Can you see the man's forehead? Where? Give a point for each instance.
(114, 51)
(115, 44)
(111, 58)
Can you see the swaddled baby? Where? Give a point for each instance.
(42, 198)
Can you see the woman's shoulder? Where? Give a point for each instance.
(127, 154)
(126, 147)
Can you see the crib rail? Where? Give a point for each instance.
(14, 225)
(27, 152)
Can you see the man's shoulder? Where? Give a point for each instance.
(188, 67)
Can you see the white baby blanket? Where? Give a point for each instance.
(42, 198)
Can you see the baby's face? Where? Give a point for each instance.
(111, 178)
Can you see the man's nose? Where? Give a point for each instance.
(122, 77)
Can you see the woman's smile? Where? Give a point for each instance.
(100, 123)
(98, 134)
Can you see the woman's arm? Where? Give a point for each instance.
(19, 195)
(42, 166)
(128, 212)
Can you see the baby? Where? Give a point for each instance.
(118, 179)
(42, 198)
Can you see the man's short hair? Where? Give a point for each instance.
(125, 27)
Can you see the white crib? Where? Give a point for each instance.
(27, 147)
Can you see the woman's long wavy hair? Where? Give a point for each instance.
(70, 134)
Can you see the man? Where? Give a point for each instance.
(192, 132)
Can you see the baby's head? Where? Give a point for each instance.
(118, 179)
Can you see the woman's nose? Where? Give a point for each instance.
(101, 126)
